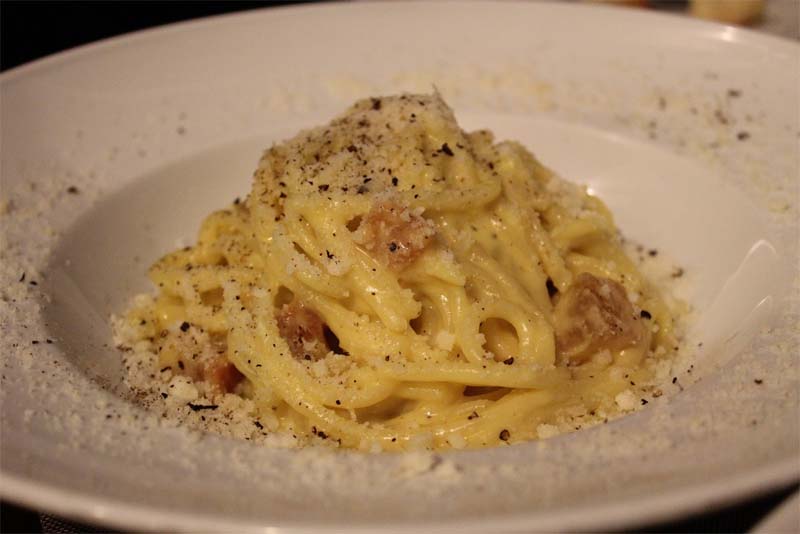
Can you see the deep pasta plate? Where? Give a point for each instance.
(110, 161)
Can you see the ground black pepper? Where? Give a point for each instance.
(198, 407)
(551, 288)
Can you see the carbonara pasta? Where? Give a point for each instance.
(392, 282)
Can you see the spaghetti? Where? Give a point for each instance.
(392, 282)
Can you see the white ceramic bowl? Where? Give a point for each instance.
(113, 153)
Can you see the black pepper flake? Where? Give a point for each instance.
(392, 246)
(551, 288)
(184, 326)
(236, 201)
(376, 104)
(72, 190)
(644, 401)
(387, 358)
(509, 361)
(473, 415)
(167, 368)
(164, 395)
(362, 189)
(22, 278)
(48, 341)
(674, 379)
(734, 93)
(504, 435)
(338, 402)
(329, 254)
(258, 425)
(33, 283)
(743, 136)
(323, 187)
(351, 148)
(652, 253)
(446, 149)
(758, 381)
(198, 407)
(35, 342)
(394, 183)
(644, 314)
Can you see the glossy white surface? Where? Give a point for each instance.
(647, 110)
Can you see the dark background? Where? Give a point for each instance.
(30, 30)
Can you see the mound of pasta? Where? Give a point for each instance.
(392, 282)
